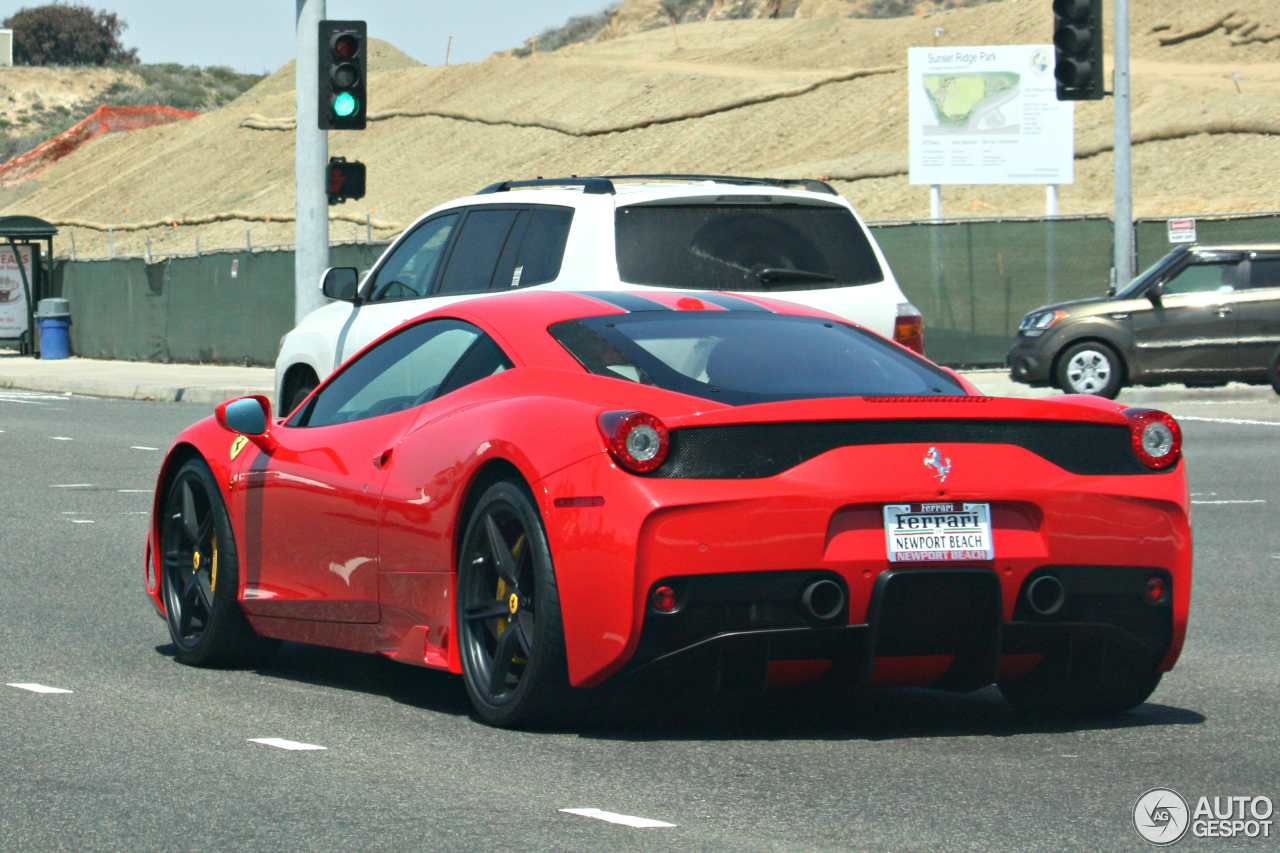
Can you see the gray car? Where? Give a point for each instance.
(1201, 315)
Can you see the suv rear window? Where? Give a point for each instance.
(743, 246)
(747, 357)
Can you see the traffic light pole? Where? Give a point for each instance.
(311, 229)
(1123, 147)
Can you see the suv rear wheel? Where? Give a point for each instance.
(1090, 367)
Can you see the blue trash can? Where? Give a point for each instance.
(53, 318)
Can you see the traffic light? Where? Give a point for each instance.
(1077, 42)
(344, 63)
(344, 179)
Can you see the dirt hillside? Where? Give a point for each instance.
(784, 96)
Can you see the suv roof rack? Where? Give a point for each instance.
(603, 184)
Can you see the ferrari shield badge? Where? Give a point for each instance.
(238, 445)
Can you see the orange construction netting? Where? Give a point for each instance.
(101, 121)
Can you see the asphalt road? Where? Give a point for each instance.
(146, 754)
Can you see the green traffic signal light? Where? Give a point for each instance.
(345, 104)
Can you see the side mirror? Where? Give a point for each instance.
(341, 283)
(249, 416)
(1111, 290)
(1156, 294)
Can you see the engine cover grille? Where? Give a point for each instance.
(747, 451)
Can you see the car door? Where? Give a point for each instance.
(1258, 314)
(398, 286)
(1191, 328)
(311, 506)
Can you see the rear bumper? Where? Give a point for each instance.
(939, 627)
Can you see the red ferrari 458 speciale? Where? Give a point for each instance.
(547, 492)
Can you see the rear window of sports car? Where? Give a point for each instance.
(743, 245)
(741, 358)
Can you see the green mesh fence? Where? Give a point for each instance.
(1152, 235)
(975, 279)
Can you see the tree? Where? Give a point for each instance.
(61, 34)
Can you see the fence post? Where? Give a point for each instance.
(248, 241)
(197, 245)
(368, 218)
(148, 248)
(73, 245)
(111, 242)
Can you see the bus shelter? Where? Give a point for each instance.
(24, 277)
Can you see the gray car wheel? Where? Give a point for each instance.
(1090, 368)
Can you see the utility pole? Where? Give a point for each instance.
(311, 229)
(1123, 147)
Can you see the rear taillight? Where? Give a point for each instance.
(1156, 437)
(637, 441)
(908, 328)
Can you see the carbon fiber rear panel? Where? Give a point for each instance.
(746, 451)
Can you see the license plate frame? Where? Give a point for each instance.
(946, 532)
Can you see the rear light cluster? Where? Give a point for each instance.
(637, 441)
(1156, 437)
(908, 328)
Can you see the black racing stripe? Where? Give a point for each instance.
(731, 303)
(625, 301)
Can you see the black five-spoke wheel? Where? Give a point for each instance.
(199, 574)
(511, 637)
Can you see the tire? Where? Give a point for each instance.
(1090, 367)
(1273, 371)
(510, 634)
(200, 576)
(1100, 683)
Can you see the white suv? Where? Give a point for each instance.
(792, 239)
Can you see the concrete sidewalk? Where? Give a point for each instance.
(135, 380)
(213, 383)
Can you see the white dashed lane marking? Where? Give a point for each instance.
(135, 491)
(1257, 501)
(72, 486)
(140, 447)
(281, 743)
(81, 520)
(622, 819)
(61, 438)
(38, 688)
(1241, 421)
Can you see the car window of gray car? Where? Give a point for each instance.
(408, 271)
(1204, 278)
(1264, 272)
(402, 371)
(475, 253)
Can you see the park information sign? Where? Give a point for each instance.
(988, 115)
(13, 297)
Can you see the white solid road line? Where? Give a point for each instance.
(281, 743)
(1255, 501)
(1244, 421)
(622, 819)
(140, 447)
(38, 688)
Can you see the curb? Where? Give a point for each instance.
(129, 391)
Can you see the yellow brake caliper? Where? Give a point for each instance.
(213, 568)
(504, 592)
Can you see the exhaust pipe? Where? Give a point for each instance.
(823, 600)
(1046, 595)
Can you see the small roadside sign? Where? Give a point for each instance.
(1182, 230)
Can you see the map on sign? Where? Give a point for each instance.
(988, 115)
(972, 103)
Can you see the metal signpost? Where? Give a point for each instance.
(1123, 144)
(312, 158)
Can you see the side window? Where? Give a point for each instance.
(1264, 272)
(408, 272)
(536, 248)
(404, 370)
(475, 253)
(1204, 278)
(485, 358)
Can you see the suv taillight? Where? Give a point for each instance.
(908, 328)
(637, 441)
(1156, 437)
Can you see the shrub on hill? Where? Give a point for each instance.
(60, 34)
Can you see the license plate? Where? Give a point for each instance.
(938, 532)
